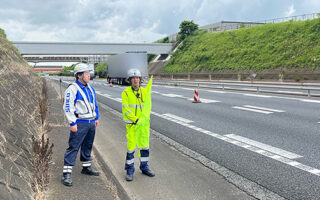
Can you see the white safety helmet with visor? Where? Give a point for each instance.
(81, 67)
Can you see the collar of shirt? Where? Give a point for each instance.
(80, 84)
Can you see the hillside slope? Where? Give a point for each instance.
(20, 90)
(288, 46)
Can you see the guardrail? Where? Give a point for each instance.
(256, 87)
(240, 76)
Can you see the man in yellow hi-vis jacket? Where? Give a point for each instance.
(136, 109)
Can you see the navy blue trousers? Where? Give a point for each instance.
(83, 138)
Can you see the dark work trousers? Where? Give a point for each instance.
(83, 137)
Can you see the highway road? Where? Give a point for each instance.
(272, 140)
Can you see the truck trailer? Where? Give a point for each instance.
(118, 66)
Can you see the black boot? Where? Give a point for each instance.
(148, 173)
(66, 179)
(89, 171)
(129, 177)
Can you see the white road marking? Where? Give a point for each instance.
(221, 92)
(118, 99)
(187, 89)
(263, 108)
(180, 119)
(253, 110)
(310, 100)
(266, 147)
(257, 95)
(171, 95)
(260, 148)
(208, 100)
(190, 99)
(205, 100)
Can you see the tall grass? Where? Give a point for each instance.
(287, 46)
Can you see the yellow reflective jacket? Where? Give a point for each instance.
(132, 103)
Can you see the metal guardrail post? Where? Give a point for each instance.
(222, 86)
(258, 89)
(309, 95)
(61, 91)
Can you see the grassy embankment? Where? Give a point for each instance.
(283, 47)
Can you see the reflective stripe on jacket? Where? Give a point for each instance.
(131, 104)
(80, 103)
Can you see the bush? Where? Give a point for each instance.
(101, 70)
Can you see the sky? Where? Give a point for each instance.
(135, 21)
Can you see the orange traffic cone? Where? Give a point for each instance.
(196, 98)
(110, 84)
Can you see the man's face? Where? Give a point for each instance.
(135, 81)
(86, 76)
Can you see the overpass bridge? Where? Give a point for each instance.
(83, 51)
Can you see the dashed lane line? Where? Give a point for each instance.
(252, 110)
(267, 152)
(263, 108)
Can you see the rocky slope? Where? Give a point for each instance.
(20, 91)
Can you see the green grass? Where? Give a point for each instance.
(2, 33)
(288, 46)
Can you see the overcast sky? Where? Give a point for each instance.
(131, 20)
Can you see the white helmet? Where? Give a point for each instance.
(134, 72)
(81, 67)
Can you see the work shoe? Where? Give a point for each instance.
(66, 179)
(129, 177)
(89, 171)
(148, 173)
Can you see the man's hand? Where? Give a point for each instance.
(96, 122)
(74, 128)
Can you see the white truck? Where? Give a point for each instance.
(118, 66)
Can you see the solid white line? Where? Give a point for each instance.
(293, 163)
(309, 100)
(262, 108)
(187, 89)
(266, 147)
(171, 95)
(257, 95)
(315, 171)
(208, 100)
(253, 110)
(118, 99)
(177, 118)
(221, 92)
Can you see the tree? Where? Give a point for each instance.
(101, 70)
(70, 68)
(186, 29)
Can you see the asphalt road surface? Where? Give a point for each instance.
(272, 140)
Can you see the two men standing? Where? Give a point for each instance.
(82, 112)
